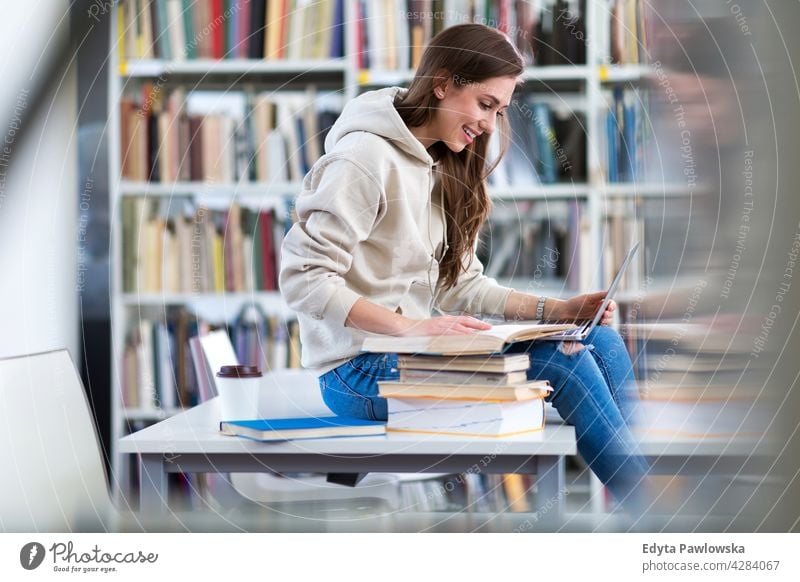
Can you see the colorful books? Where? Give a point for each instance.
(482, 342)
(180, 30)
(268, 430)
(175, 246)
(221, 138)
(392, 36)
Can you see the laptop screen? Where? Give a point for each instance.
(613, 288)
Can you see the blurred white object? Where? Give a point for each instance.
(53, 477)
(39, 201)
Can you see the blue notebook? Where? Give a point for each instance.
(283, 429)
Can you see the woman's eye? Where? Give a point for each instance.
(485, 106)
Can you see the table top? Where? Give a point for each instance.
(196, 430)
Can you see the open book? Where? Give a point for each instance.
(482, 342)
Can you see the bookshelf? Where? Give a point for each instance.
(584, 89)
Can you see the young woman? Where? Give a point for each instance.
(388, 220)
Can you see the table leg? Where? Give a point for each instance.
(152, 485)
(551, 485)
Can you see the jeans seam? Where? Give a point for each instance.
(633, 452)
(607, 375)
(350, 392)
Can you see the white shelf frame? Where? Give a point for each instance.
(153, 68)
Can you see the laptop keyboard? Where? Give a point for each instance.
(570, 332)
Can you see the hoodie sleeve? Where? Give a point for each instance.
(338, 207)
(474, 293)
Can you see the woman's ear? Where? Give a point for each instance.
(441, 83)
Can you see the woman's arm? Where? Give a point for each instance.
(368, 316)
(522, 306)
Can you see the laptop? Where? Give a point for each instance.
(583, 330)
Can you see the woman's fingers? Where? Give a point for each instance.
(595, 298)
(474, 323)
(462, 325)
(608, 315)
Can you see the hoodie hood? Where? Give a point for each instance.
(374, 112)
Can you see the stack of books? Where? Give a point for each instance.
(465, 385)
(483, 396)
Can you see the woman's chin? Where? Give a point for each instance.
(457, 147)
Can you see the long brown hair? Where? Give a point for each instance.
(464, 53)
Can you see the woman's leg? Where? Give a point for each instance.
(608, 350)
(583, 398)
(352, 388)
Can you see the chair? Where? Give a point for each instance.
(289, 394)
(53, 477)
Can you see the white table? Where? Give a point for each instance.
(190, 442)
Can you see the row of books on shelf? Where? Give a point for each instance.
(547, 146)
(546, 243)
(628, 135)
(392, 34)
(218, 137)
(211, 137)
(177, 30)
(186, 491)
(162, 358)
(175, 246)
(623, 226)
(628, 32)
(473, 492)
(179, 246)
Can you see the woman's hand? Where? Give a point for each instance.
(444, 325)
(583, 307)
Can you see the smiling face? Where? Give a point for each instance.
(469, 109)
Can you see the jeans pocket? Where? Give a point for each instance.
(343, 400)
(352, 388)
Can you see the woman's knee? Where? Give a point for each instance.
(570, 348)
(569, 366)
(606, 339)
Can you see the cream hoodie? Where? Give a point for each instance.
(367, 227)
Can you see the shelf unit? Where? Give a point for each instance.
(592, 80)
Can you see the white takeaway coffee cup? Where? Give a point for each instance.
(239, 388)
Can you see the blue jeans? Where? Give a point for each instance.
(593, 389)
